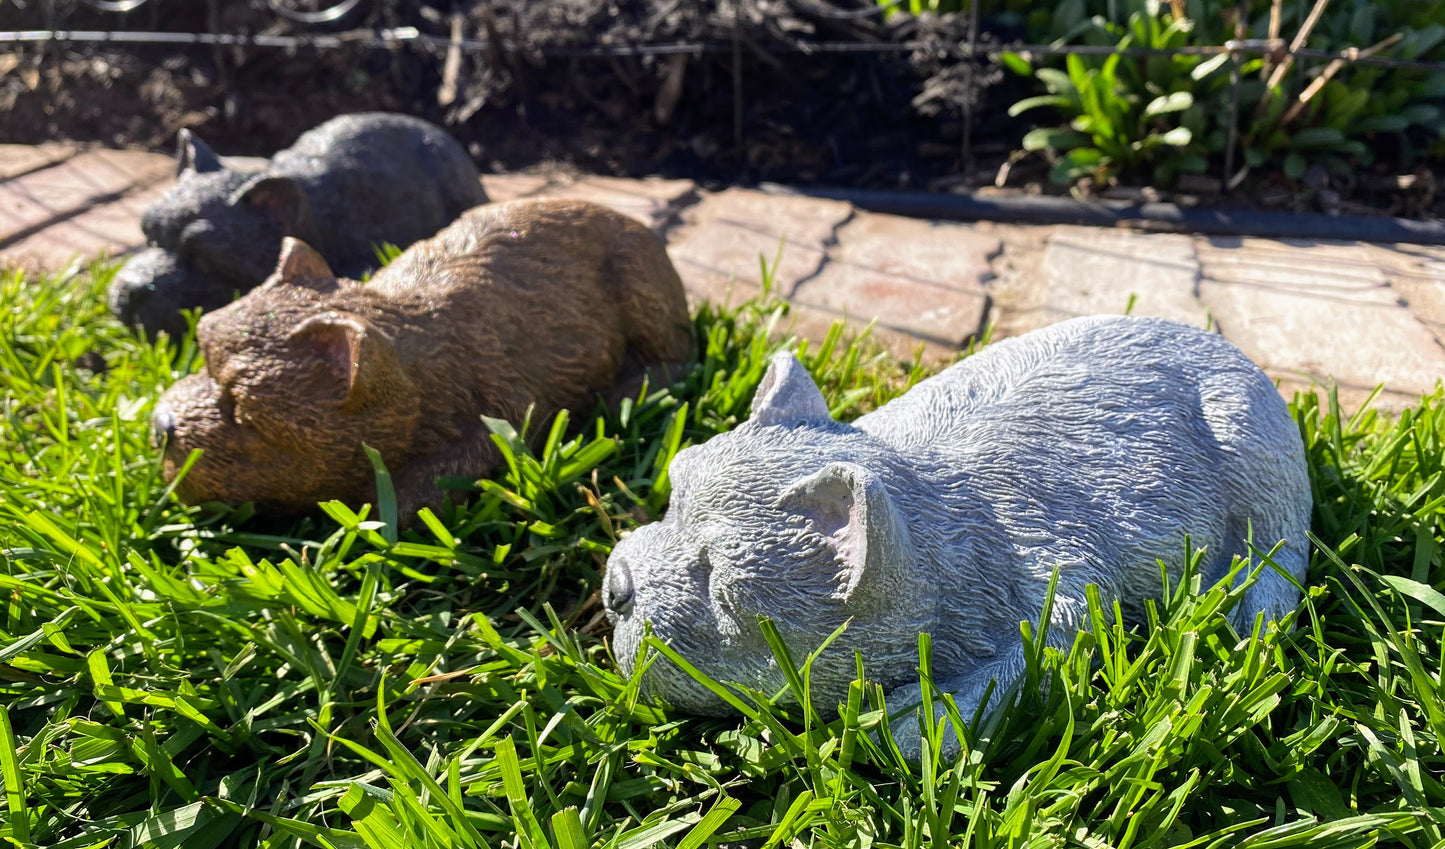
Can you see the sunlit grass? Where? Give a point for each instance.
(175, 677)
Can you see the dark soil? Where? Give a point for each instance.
(768, 112)
(758, 100)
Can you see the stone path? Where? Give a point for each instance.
(1362, 314)
(56, 202)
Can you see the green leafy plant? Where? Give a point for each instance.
(1344, 118)
(1162, 115)
(1122, 115)
(1111, 131)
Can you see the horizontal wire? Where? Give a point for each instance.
(406, 36)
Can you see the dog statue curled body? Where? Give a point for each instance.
(345, 187)
(1094, 446)
(530, 304)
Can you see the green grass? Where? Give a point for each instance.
(175, 677)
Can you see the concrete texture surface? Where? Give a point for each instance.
(1308, 312)
(1353, 313)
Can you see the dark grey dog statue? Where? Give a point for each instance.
(1093, 447)
(345, 188)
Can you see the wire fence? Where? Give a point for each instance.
(411, 36)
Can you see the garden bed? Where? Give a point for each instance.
(806, 92)
(884, 120)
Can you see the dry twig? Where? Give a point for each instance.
(1318, 84)
(1299, 41)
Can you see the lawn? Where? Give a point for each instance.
(179, 676)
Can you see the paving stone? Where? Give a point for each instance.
(22, 211)
(1348, 271)
(935, 313)
(1315, 311)
(19, 158)
(922, 278)
(112, 229)
(82, 207)
(1016, 291)
(952, 255)
(504, 187)
(99, 172)
(50, 196)
(1417, 274)
(653, 201)
(721, 239)
(1306, 311)
(815, 323)
(1091, 271)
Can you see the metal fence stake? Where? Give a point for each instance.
(970, 74)
(1233, 138)
(738, 76)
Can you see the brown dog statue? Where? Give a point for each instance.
(532, 303)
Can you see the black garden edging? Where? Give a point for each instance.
(1158, 217)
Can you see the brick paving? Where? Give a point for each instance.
(722, 241)
(1306, 312)
(59, 204)
(17, 159)
(1417, 274)
(654, 202)
(1356, 313)
(1091, 270)
(919, 279)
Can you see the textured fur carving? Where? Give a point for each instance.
(542, 302)
(1095, 445)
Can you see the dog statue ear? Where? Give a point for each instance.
(850, 506)
(362, 359)
(283, 198)
(192, 154)
(299, 265)
(788, 395)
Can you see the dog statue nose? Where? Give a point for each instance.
(127, 295)
(163, 427)
(617, 594)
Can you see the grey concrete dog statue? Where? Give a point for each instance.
(1095, 446)
(344, 187)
